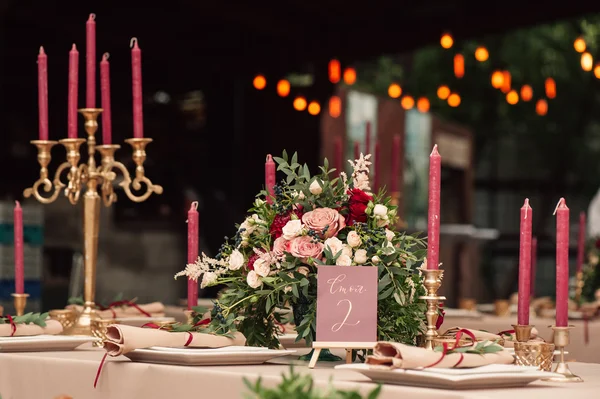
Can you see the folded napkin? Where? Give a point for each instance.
(128, 309)
(53, 327)
(400, 356)
(123, 339)
(504, 338)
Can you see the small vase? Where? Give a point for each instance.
(299, 309)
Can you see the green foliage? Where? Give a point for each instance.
(78, 300)
(299, 386)
(38, 319)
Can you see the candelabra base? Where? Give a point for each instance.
(567, 374)
(84, 322)
(432, 282)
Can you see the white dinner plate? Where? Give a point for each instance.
(42, 343)
(232, 355)
(486, 377)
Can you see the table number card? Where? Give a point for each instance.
(347, 304)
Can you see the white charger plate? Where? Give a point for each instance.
(231, 355)
(486, 377)
(42, 343)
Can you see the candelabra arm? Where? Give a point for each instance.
(43, 184)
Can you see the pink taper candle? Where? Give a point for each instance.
(337, 155)
(524, 265)
(90, 62)
(368, 138)
(562, 263)
(395, 163)
(270, 178)
(192, 299)
(72, 96)
(43, 94)
(433, 222)
(534, 244)
(19, 267)
(581, 242)
(136, 78)
(105, 97)
(356, 150)
(376, 168)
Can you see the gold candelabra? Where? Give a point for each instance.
(95, 182)
(432, 283)
(561, 339)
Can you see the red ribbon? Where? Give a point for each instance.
(100, 369)
(190, 336)
(13, 326)
(506, 332)
(128, 303)
(445, 347)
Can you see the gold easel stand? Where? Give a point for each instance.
(561, 339)
(348, 346)
(95, 183)
(432, 283)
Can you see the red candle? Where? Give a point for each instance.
(19, 268)
(525, 264)
(43, 94)
(73, 87)
(562, 263)
(105, 97)
(433, 230)
(337, 155)
(270, 178)
(368, 138)
(376, 168)
(136, 74)
(90, 62)
(192, 299)
(356, 150)
(534, 244)
(581, 242)
(395, 163)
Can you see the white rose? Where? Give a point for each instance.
(383, 222)
(261, 268)
(353, 239)
(343, 260)
(292, 229)
(360, 256)
(253, 280)
(315, 188)
(236, 260)
(334, 244)
(301, 195)
(208, 279)
(389, 234)
(375, 259)
(388, 249)
(380, 210)
(258, 202)
(248, 227)
(303, 270)
(347, 250)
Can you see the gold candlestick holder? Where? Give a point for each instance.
(561, 339)
(432, 283)
(532, 353)
(20, 302)
(94, 183)
(578, 287)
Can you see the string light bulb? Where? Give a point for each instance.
(541, 107)
(579, 45)
(506, 84)
(443, 92)
(349, 76)
(481, 54)
(550, 86)
(587, 61)
(407, 102)
(259, 82)
(299, 103)
(454, 100)
(446, 40)
(283, 88)
(423, 104)
(497, 79)
(459, 66)
(597, 71)
(394, 90)
(526, 93)
(335, 71)
(512, 97)
(335, 106)
(314, 108)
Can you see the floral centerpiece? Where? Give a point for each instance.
(270, 265)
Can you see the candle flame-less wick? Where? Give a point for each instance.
(434, 151)
(92, 17)
(526, 206)
(194, 205)
(42, 50)
(106, 56)
(74, 48)
(133, 42)
(269, 157)
(17, 204)
(562, 200)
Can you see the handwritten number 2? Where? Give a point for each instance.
(338, 326)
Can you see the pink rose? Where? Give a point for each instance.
(303, 247)
(280, 246)
(326, 222)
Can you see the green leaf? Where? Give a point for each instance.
(295, 291)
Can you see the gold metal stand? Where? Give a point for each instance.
(432, 283)
(85, 178)
(578, 287)
(20, 302)
(561, 339)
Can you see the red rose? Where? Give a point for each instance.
(251, 261)
(440, 319)
(357, 205)
(280, 221)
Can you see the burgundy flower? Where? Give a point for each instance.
(440, 319)
(251, 261)
(357, 205)
(281, 220)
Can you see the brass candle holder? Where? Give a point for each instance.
(578, 287)
(532, 353)
(432, 283)
(561, 339)
(94, 183)
(20, 303)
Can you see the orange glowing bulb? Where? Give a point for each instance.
(443, 92)
(505, 82)
(579, 45)
(526, 93)
(299, 103)
(446, 41)
(335, 106)
(541, 107)
(394, 90)
(512, 97)
(597, 71)
(283, 88)
(497, 79)
(259, 82)
(349, 76)
(423, 104)
(481, 54)
(407, 102)
(550, 86)
(314, 108)
(454, 100)
(334, 69)
(459, 66)
(587, 61)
